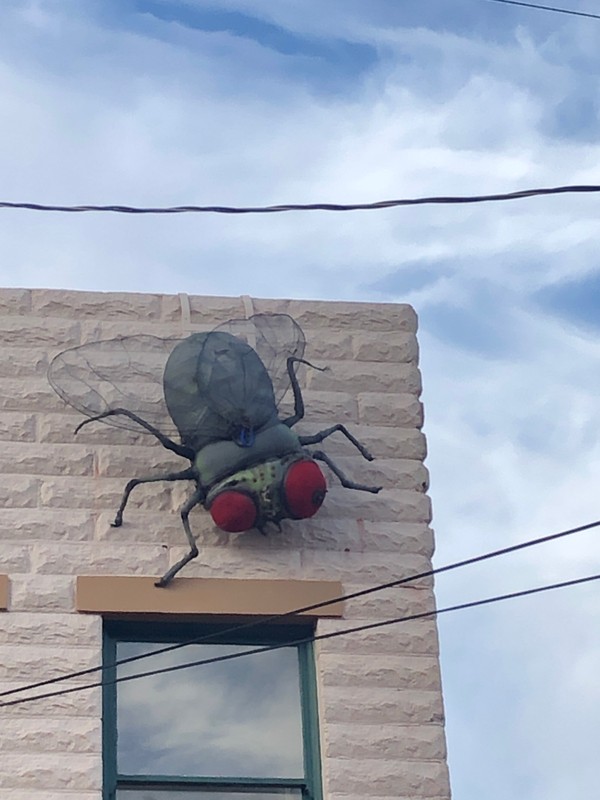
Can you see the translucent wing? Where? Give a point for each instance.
(216, 387)
(125, 372)
(207, 387)
(275, 337)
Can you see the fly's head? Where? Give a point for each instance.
(292, 487)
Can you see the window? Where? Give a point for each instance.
(241, 729)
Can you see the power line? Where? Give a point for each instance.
(548, 8)
(381, 204)
(297, 611)
(306, 640)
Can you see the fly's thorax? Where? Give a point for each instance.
(262, 481)
(221, 459)
(292, 487)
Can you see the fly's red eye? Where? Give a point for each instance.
(233, 511)
(304, 489)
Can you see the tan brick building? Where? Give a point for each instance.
(378, 713)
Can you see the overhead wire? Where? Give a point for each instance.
(557, 10)
(304, 640)
(274, 209)
(305, 609)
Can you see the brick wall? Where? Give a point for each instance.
(379, 692)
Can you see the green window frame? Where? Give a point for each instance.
(195, 787)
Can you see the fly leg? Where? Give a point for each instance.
(186, 475)
(196, 498)
(318, 437)
(169, 444)
(319, 455)
(298, 400)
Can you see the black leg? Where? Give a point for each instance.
(186, 475)
(298, 401)
(194, 500)
(319, 455)
(318, 437)
(169, 444)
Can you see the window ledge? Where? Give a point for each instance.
(115, 596)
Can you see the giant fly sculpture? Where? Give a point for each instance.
(218, 392)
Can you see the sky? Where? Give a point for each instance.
(251, 102)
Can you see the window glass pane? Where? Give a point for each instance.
(239, 718)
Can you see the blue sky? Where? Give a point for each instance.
(251, 102)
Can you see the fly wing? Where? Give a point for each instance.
(275, 338)
(125, 372)
(207, 387)
(216, 387)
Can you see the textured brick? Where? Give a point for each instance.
(404, 600)
(214, 562)
(362, 795)
(402, 410)
(379, 671)
(326, 532)
(394, 347)
(28, 394)
(381, 706)
(30, 331)
(24, 661)
(108, 305)
(51, 629)
(52, 771)
(15, 301)
(387, 777)
(46, 524)
(337, 345)
(66, 735)
(394, 742)
(59, 492)
(17, 427)
(366, 376)
(80, 703)
(19, 491)
(328, 408)
(100, 330)
(387, 506)
(44, 794)
(15, 557)
(371, 567)
(378, 537)
(45, 460)
(323, 314)
(43, 593)
(97, 557)
(137, 459)
(415, 637)
(16, 362)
